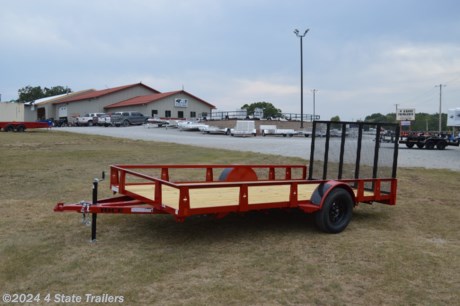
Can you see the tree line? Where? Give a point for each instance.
(32, 93)
(422, 122)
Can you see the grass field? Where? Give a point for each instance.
(403, 255)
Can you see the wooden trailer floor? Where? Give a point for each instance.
(223, 196)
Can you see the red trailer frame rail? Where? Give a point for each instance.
(18, 126)
(222, 189)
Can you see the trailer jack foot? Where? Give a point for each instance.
(93, 228)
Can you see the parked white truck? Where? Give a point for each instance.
(88, 119)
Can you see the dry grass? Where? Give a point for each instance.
(403, 255)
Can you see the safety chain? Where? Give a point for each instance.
(86, 220)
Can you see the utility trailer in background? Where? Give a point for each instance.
(244, 128)
(342, 172)
(17, 126)
(428, 141)
(273, 130)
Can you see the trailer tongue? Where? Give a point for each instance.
(219, 190)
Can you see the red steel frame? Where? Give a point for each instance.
(27, 125)
(133, 203)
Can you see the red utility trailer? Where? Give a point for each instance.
(18, 126)
(321, 188)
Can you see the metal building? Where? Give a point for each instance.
(174, 104)
(134, 97)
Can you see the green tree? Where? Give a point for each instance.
(30, 93)
(335, 119)
(377, 118)
(269, 109)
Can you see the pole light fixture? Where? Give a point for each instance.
(301, 36)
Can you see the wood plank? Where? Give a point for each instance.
(227, 196)
(214, 197)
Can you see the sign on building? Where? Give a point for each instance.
(405, 123)
(453, 117)
(180, 102)
(405, 114)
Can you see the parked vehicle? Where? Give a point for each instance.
(330, 193)
(19, 126)
(128, 118)
(88, 119)
(273, 130)
(61, 122)
(244, 128)
(191, 125)
(104, 120)
(209, 129)
(427, 141)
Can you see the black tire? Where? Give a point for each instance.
(125, 123)
(441, 145)
(420, 145)
(336, 212)
(20, 128)
(9, 128)
(90, 123)
(430, 145)
(409, 145)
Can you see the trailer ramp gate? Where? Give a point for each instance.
(354, 150)
(343, 171)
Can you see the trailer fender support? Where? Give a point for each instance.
(321, 192)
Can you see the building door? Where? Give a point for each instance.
(62, 111)
(41, 113)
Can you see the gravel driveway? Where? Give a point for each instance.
(286, 146)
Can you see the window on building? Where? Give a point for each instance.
(154, 112)
(180, 114)
(168, 114)
(192, 114)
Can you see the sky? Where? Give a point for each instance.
(362, 57)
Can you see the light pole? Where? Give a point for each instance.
(301, 36)
(440, 108)
(314, 104)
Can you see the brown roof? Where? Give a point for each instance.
(100, 93)
(139, 100)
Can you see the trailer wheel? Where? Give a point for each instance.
(430, 145)
(336, 212)
(9, 128)
(420, 145)
(409, 145)
(20, 128)
(441, 145)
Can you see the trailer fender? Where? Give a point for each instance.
(238, 174)
(321, 192)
